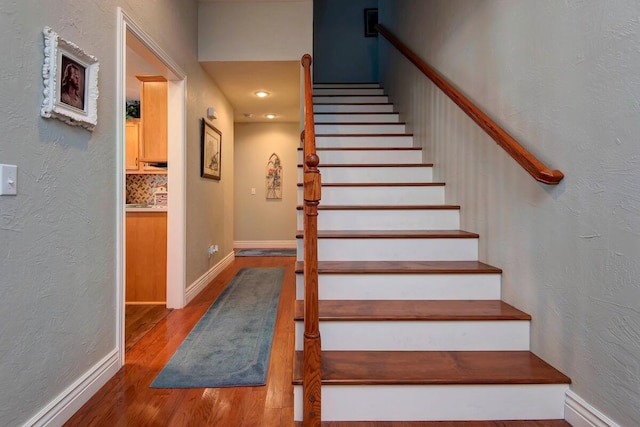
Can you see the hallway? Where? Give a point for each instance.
(127, 400)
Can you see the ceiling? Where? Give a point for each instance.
(240, 80)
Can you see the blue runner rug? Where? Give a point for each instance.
(230, 346)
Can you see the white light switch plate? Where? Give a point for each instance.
(8, 180)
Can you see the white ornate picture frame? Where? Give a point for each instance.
(70, 82)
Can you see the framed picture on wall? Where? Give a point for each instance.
(70, 82)
(211, 151)
(370, 21)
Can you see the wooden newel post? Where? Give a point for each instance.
(312, 374)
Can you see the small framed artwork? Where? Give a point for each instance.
(211, 157)
(70, 79)
(274, 177)
(370, 21)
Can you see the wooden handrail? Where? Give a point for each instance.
(312, 375)
(538, 170)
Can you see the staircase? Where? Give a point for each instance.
(412, 325)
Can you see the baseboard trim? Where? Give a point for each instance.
(67, 403)
(196, 287)
(264, 244)
(579, 413)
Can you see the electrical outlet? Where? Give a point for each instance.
(212, 249)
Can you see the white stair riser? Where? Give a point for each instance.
(346, 141)
(333, 157)
(353, 108)
(367, 128)
(405, 286)
(351, 99)
(375, 174)
(394, 249)
(431, 195)
(348, 91)
(438, 402)
(431, 219)
(345, 85)
(357, 118)
(470, 335)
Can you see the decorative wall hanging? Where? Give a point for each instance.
(211, 157)
(370, 21)
(70, 79)
(274, 177)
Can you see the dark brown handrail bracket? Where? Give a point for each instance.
(312, 375)
(538, 170)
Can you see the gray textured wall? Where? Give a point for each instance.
(562, 77)
(58, 235)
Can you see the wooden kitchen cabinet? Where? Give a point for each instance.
(153, 119)
(132, 138)
(146, 269)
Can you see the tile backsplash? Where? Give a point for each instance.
(140, 188)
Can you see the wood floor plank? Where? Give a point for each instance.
(354, 310)
(433, 367)
(127, 400)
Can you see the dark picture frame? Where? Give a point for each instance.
(370, 21)
(211, 151)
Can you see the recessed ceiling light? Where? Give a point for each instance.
(261, 94)
(270, 116)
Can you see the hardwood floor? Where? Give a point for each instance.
(140, 319)
(127, 400)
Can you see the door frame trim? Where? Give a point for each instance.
(176, 211)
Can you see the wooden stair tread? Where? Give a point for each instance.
(363, 134)
(381, 184)
(432, 368)
(352, 103)
(342, 95)
(384, 207)
(402, 267)
(360, 123)
(354, 113)
(393, 234)
(366, 149)
(373, 165)
(405, 310)
(498, 423)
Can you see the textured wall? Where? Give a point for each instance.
(257, 218)
(58, 236)
(255, 31)
(562, 77)
(341, 51)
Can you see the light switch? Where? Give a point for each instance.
(253, 191)
(8, 180)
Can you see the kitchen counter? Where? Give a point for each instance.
(145, 208)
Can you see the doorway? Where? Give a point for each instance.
(131, 36)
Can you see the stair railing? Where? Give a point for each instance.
(312, 375)
(538, 170)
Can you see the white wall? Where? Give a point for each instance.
(255, 31)
(58, 235)
(562, 77)
(341, 52)
(256, 218)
